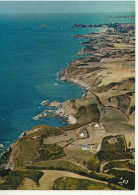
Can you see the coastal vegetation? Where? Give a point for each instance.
(113, 143)
(114, 155)
(14, 178)
(58, 165)
(124, 174)
(93, 164)
(120, 164)
(68, 183)
(87, 114)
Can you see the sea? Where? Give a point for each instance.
(31, 57)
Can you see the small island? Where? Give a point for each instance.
(120, 17)
(43, 26)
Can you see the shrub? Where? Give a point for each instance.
(14, 179)
(93, 164)
(114, 155)
(103, 177)
(122, 174)
(4, 172)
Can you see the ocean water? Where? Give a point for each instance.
(30, 58)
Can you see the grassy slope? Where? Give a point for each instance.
(15, 178)
(119, 164)
(30, 148)
(125, 175)
(69, 183)
(58, 165)
(117, 146)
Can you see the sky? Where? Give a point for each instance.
(66, 6)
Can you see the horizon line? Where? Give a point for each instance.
(66, 12)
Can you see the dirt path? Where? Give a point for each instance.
(121, 160)
(28, 184)
(47, 180)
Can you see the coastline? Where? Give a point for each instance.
(108, 101)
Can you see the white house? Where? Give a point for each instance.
(81, 134)
(97, 125)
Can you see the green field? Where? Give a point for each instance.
(119, 164)
(58, 165)
(124, 174)
(102, 176)
(14, 178)
(114, 155)
(87, 114)
(113, 143)
(69, 183)
(114, 148)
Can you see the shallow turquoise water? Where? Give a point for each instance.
(30, 57)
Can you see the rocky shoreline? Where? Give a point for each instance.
(106, 109)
